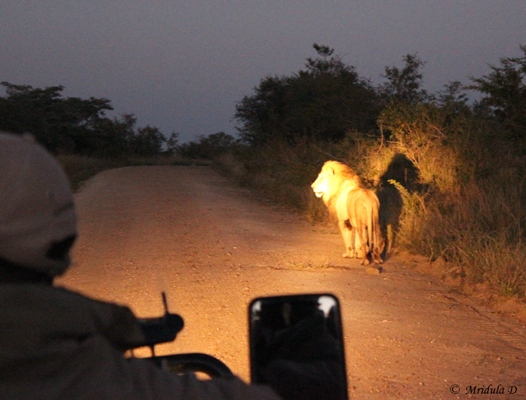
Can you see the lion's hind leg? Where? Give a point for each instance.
(378, 248)
(358, 248)
(365, 258)
(348, 238)
(376, 256)
(363, 249)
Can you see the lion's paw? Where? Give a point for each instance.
(365, 261)
(350, 253)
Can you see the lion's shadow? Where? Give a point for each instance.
(403, 171)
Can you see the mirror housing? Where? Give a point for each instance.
(296, 346)
(161, 330)
(193, 363)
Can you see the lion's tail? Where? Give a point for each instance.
(371, 226)
(373, 233)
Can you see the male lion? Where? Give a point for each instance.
(355, 207)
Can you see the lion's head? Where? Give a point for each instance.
(333, 178)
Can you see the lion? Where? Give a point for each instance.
(356, 209)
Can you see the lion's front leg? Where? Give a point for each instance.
(348, 238)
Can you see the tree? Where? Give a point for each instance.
(54, 121)
(109, 137)
(207, 147)
(405, 85)
(453, 98)
(147, 141)
(75, 125)
(171, 142)
(262, 114)
(324, 101)
(504, 91)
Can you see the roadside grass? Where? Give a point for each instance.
(471, 232)
(471, 229)
(280, 173)
(477, 230)
(81, 168)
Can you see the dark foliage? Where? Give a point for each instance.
(324, 102)
(74, 125)
(504, 91)
(207, 147)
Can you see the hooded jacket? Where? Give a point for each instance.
(58, 344)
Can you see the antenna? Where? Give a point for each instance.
(165, 302)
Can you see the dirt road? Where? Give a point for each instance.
(213, 247)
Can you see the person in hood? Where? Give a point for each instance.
(55, 343)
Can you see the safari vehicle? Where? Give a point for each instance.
(296, 346)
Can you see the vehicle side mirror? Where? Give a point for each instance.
(296, 346)
(163, 329)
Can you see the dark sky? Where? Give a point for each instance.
(183, 65)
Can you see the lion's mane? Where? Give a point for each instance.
(343, 179)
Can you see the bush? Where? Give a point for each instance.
(457, 195)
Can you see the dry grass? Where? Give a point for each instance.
(475, 226)
(80, 168)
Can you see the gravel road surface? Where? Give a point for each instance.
(212, 247)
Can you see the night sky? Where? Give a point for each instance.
(183, 66)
